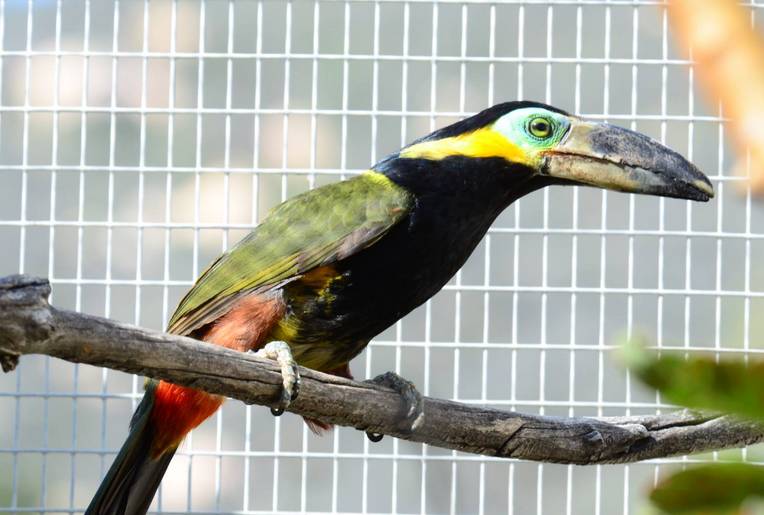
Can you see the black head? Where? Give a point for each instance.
(557, 148)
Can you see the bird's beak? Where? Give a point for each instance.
(606, 156)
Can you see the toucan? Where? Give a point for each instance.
(329, 269)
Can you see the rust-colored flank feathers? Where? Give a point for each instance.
(177, 409)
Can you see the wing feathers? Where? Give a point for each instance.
(314, 229)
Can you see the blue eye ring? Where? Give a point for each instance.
(540, 128)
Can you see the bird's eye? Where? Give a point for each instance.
(540, 128)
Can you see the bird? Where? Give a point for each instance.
(329, 269)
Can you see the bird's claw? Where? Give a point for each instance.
(412, 404)
(281, 353)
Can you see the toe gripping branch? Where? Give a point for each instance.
(412, 405)
(282, 354)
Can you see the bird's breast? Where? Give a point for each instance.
(333, 311)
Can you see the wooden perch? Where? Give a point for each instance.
(29, 325)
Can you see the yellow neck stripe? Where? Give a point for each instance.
(484, 142)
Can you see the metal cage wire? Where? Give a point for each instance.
(140, 139)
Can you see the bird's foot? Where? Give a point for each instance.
(281, 353)
(411, 399)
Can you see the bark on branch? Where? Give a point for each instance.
(29, 325)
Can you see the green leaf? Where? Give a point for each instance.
(699, 381)
(716, 488)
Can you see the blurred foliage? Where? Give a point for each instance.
(719, 488)
(730, 386)
(700, 381)
(727, 51)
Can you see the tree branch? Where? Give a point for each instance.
(29, 325)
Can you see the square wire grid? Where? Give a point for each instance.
(140, 139)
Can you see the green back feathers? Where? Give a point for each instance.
(313, 229)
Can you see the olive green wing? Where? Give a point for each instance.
(314, 229)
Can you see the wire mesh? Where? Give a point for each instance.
(140, 139)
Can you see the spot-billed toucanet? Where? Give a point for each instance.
(329, 269)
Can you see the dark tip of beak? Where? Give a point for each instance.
(657, 169)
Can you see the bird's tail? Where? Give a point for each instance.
(134, 477)
(163, 418)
